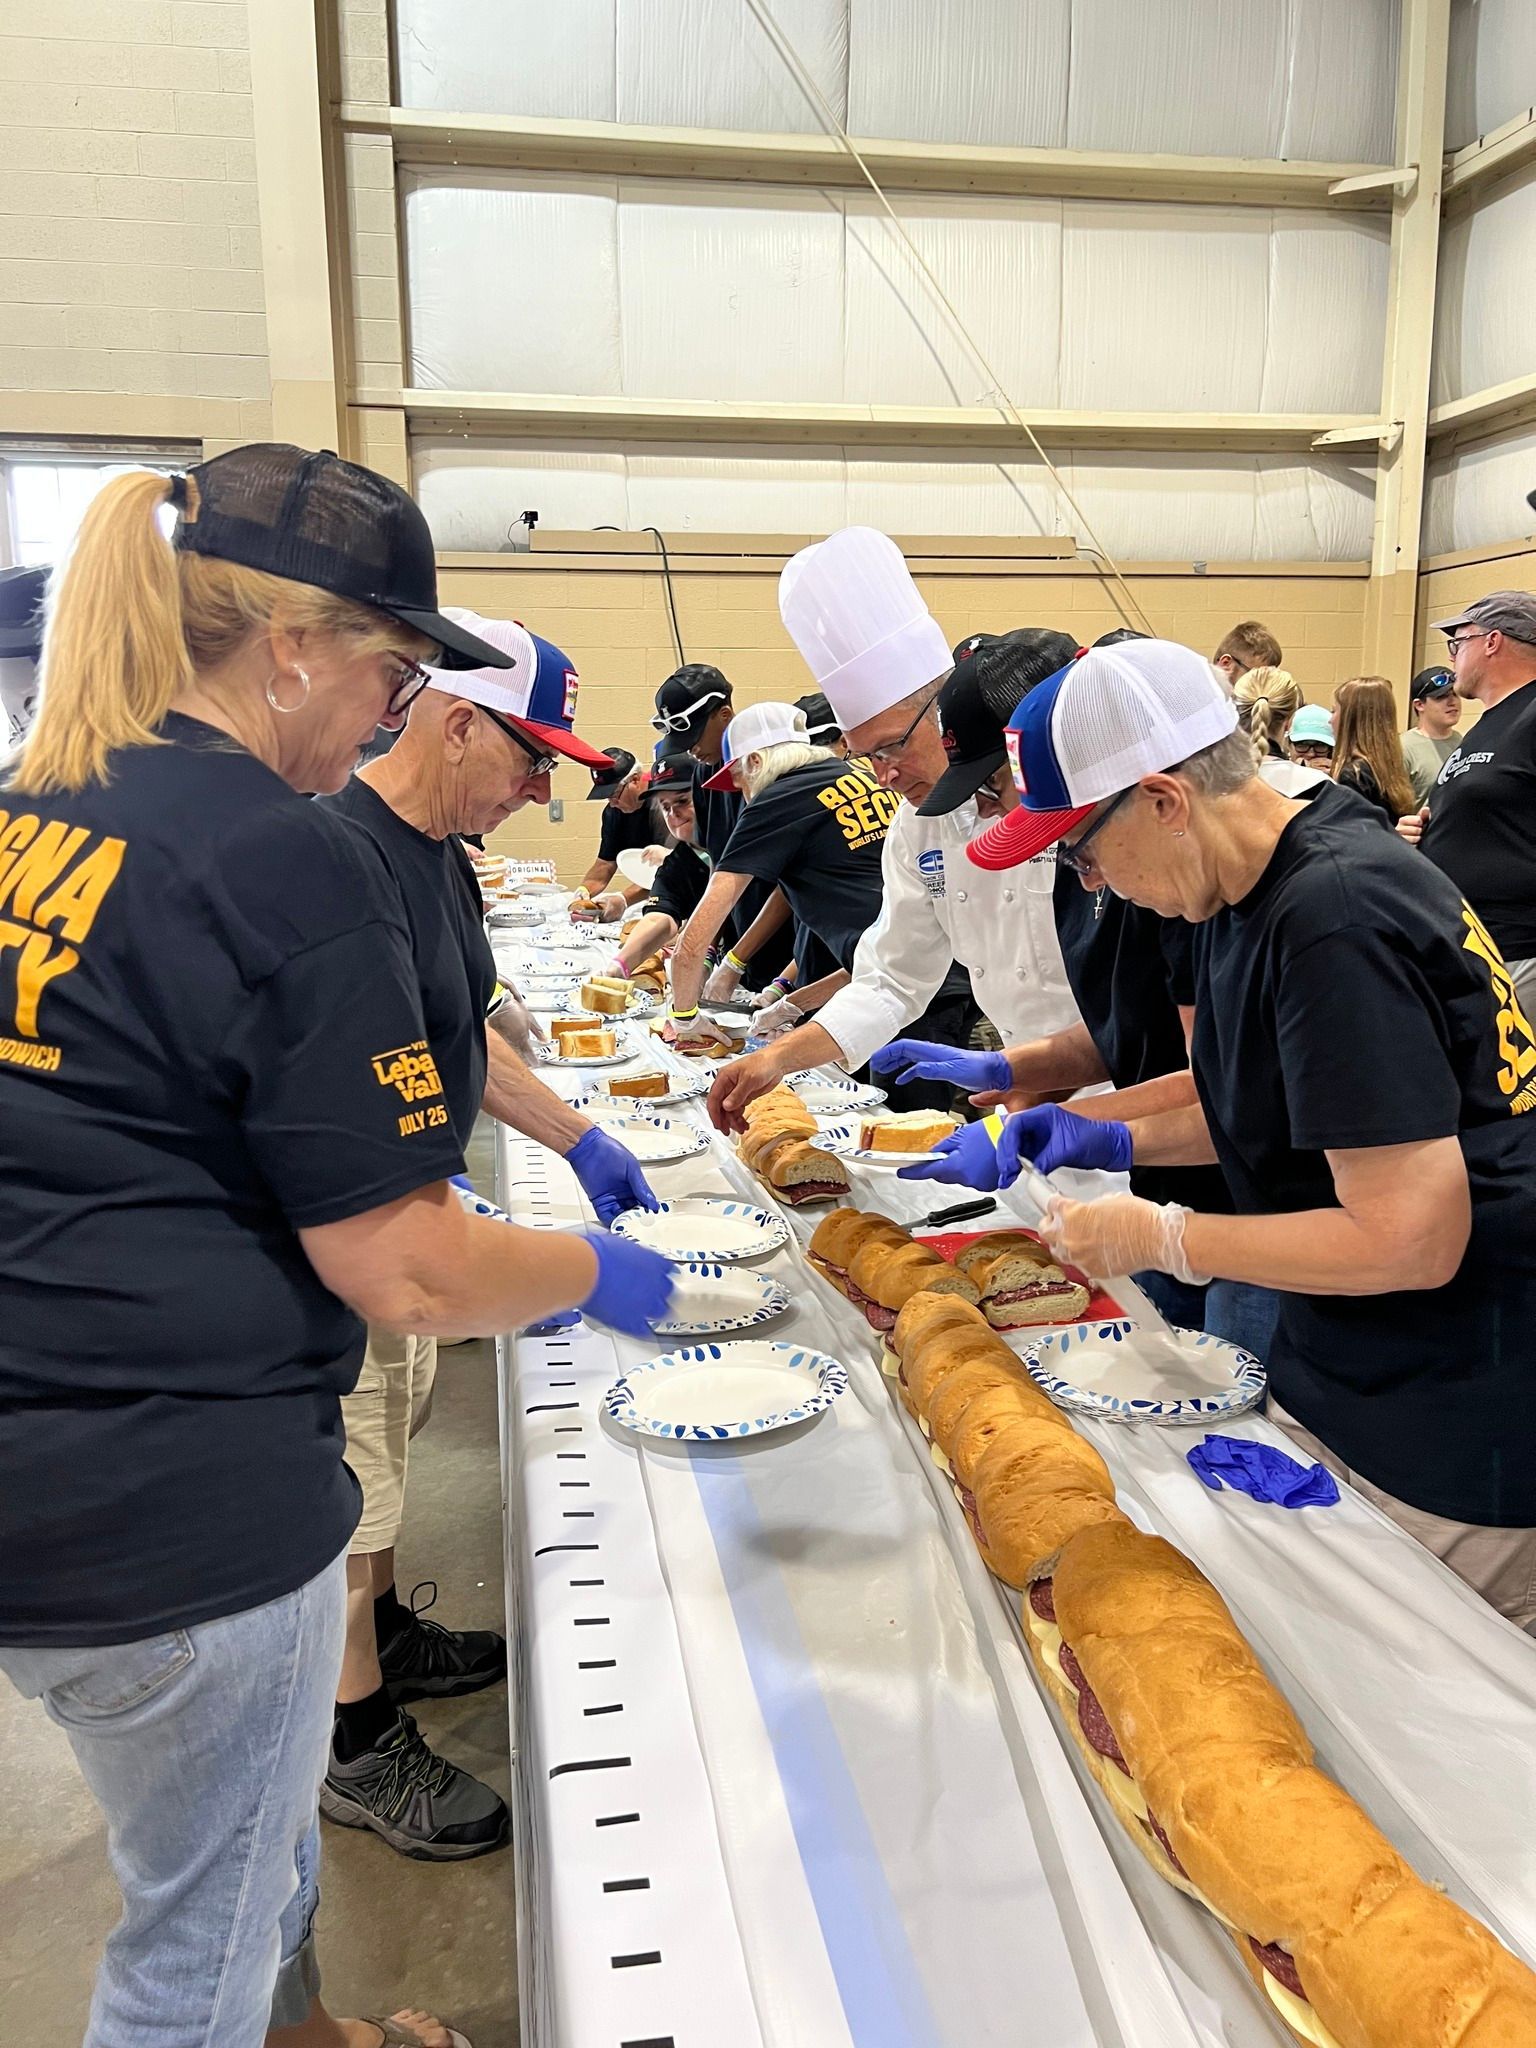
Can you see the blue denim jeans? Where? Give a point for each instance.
(1243, 1314)
(205, 1748)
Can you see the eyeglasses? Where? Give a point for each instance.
(538, 764)
(680, 721)
(887, 754)
(410, 680)
(1454, 646)
(1072, 856)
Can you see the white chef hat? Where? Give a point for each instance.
(851, 607)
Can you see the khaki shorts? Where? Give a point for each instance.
(1498, 1563)
(391, 1401)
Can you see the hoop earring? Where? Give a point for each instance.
(303, 677)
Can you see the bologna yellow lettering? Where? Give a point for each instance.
(74, 904)
(39, 884)
(1517, 1042)
(14, 833)
(39, 865)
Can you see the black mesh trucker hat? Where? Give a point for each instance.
(605, 781)
(315, 519)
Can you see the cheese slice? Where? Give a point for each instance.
(1298, 2014)
(1048, 1636)
(890, 1364)
(936, 1453)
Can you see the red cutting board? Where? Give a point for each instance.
(950, 1242)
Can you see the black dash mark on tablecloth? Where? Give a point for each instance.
(560, 1383)
(578, 1514)
(591, 1713)
(590, 1620)
(588, 1582)
(616, 1820)
(584, 1484)
(569, 1454)
(638, 1961)
(593, 1763)
(549, 1549)
(652, 2041)
(598, 1664)
(568, 1428)
(627, 1884)
(549, 1407)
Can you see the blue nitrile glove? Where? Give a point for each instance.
(610, 1175)
(634, 1285)
(1051, 1136)
(922, 1060)
(1266, 1474)
(967, 1157)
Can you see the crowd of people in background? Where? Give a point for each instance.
(1133, 909)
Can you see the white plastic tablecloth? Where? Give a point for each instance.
(858, 1819)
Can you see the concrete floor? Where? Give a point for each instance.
(391, 1932)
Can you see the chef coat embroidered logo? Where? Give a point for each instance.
(862, 809)
(930, 869)
(1517, 1042)
(53, 880)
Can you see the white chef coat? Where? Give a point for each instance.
(939, 908)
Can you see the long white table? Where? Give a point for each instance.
(783, 1775)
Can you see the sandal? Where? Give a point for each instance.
(396, 2036)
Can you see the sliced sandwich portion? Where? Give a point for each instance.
(607, 994)
(840, 1237)
(799, 1173)
(1020, 1282)
(913, 1130)
(589, 1044)
(648, 1083)
(886, 1277)
(560, 1028)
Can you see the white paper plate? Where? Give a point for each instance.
(621, 1058)
(837, 1134)
(705, 1228)
(636, 869)
(654, 1139)
(711, 1299)
(1124, 1372)
(887, 1162)
(836, 1097)
(511, 916)
(559, 960)
(707, 1392)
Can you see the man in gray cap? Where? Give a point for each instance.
(1480, 822)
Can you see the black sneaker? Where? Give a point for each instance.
(421, 1804)
(424, 1661)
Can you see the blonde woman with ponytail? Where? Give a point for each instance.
(1267, 700)
(222, 1145)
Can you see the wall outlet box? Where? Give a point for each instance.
(556, 810)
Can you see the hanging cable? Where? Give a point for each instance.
(666, 571)
(996, 394)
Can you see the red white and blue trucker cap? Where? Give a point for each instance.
(536, 692)
(759, 726)
(1095, 728)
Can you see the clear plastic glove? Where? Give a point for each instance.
(610, 1175)
(617, 967)
(968, 1158)
(1051, 1136)
(760, 999)
(611, 905)
(634, 1287)
(698, 1033)
(516, 1023)
(1119, 1234)
(775, 1020)
(583, 908)
(920, 1059)
(723, 983)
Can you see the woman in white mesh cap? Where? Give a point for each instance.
(1362, 1072)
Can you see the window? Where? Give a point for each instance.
(45, 500)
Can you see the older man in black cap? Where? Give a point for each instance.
(1480, 822)
(628, 825)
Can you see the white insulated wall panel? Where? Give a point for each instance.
(729, 292)
(554, 61)
(1148, 507)
(1477, 495)
(512, 287)
(1483, 323)
(965, 71)
(1210, 77)
(998, 261)
(709, 64)
(653, 290)
(1493, 67)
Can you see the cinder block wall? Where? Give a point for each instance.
(610, 615)
(130, 250)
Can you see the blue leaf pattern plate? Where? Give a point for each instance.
(709, 1393)
(1122, 1371)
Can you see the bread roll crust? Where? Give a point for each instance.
(926, 1313)
(1019, 1527)
(944, 1397)
(1015, 1413)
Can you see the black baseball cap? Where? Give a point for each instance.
(674, 775)
(687, 698)
(993, 674)
(606, 780)
(21, 613)
(1430, 682)
(820, 719)
(308, 515)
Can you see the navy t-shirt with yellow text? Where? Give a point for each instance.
(210, 1038)
(818, 832)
